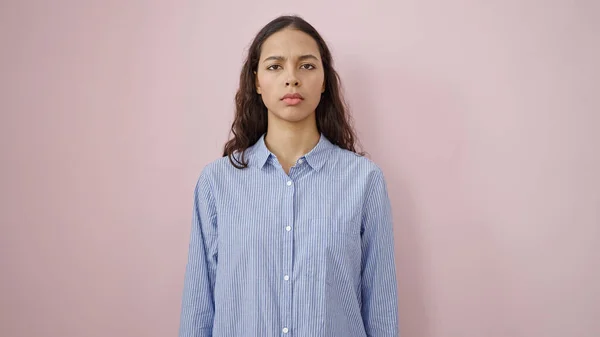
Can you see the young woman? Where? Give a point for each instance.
(292, 229)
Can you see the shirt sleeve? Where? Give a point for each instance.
(198, 293)
(378, 268)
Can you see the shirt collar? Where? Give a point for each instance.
(259, 154)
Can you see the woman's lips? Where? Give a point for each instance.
(292, 101)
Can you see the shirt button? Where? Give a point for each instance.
(286, 277)
(288, 228)
(300, 161)
(289, 183)
(285, 330)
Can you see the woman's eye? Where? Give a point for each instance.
(307, 66)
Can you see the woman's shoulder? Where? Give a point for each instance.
(353, 159)
(216, 167)
(357, 165)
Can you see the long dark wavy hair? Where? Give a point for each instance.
(250, 122)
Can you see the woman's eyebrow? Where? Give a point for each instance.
(300, 58)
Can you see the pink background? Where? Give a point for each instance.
(484, 116)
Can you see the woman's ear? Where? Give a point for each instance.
(256, 83)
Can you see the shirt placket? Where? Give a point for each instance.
(288, 246)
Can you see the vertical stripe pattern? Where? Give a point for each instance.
(304, 254)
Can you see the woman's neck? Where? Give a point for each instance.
(289, 144)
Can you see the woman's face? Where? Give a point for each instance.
(290, 63)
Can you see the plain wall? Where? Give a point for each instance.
(484, 116)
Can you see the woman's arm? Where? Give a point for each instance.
(198, 295)
(379, 293)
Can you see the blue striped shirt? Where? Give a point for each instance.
(308, 254)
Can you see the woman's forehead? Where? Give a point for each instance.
(289, 43)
